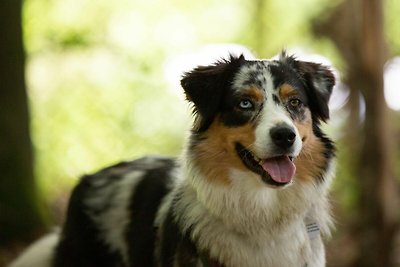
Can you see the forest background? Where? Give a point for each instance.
(85, 84)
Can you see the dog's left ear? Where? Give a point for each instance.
(319, 82)
(205, 86)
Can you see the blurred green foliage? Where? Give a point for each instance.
(97, 80)
(392, 23)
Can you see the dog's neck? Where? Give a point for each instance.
(247, 201)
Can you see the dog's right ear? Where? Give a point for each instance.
(205, 86)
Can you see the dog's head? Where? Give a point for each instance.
(260, 116)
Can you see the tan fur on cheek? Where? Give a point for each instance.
(216, 154)
(311, 159)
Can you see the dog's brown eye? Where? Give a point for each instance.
(295, 103)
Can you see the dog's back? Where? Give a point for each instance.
(110, 219)
(111, 215)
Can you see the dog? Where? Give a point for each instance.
(249, 190)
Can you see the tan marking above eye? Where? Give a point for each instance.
(286, 91)
(254, 93)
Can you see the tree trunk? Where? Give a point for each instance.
(378, 220)
(19, 214)
(358, 34)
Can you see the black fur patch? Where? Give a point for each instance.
(283, 73)
(232, 115)
(276, 100)
(141, 234)
(206, 86)
(176, 247)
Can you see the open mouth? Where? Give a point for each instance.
(276, 171)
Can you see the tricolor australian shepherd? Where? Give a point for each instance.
(250, 189)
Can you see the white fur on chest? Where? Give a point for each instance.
(287, 248)
(248, 224)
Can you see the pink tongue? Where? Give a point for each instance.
(281, 169)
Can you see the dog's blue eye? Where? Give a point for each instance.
(245, 104)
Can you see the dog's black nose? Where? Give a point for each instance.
(283, 136)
